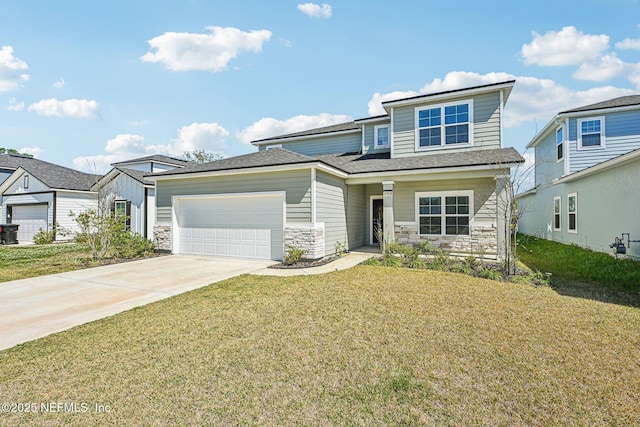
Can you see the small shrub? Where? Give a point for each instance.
(520, 279)
(489, 273)
(372, 261)
(391, 261)
(416, 263)
(128, 245)
(293, 255)
(425, 247)
(462, 268)
(340, 249)
(43, 237)
(539, 278)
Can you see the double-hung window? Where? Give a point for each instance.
(445, 125)
(381, 136)
(444, 213)
(559, 143)
(572, 212)
(557, 212)
(591, 133)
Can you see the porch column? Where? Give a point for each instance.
(388, 229)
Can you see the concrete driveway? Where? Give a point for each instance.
(34, 308)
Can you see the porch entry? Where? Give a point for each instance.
(376, 223)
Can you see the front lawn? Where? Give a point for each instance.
(21, 262)
(366, 346)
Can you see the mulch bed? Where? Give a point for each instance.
(306, 264)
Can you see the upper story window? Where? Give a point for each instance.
(26, 182)
(559, 143)
(381, 136)
(444, 125)
(591, 133)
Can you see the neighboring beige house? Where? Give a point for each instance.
(430, 169)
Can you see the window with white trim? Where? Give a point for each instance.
(444, 125)
(444, 213)
(26, 182)
(572, 212)
(381, 136)
(557, 213)
(560, 143)
(591, 133)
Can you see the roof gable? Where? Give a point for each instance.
(52, 175)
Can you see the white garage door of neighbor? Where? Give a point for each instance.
(245, 226)
(30, 218)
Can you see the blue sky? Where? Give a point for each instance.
(84, 84)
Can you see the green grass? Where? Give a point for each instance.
(580, 272)
(21, 262)
(365, 346)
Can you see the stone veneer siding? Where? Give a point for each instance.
(483, 241)
(162, 237)
(306, 237)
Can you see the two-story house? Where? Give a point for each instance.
(587, 177)
(431, 169)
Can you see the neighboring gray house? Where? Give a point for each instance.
(587, 177)
(133, 195)
(430, 169)
(38, 194)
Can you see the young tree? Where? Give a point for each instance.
(200, 156)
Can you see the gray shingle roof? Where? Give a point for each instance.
(54, 176)
(154, 158)
(358, 163)
(348, 126)
(623, 101)
(275, 157)
(135, 174)
(447, 92)
(353, 163)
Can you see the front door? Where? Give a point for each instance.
(376, 220)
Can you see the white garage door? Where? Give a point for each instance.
(246, 226)
(30, 218)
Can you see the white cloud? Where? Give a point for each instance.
(210, 137)
(208, 52)
(196, 136)
(59, 84)
(14, 105)
(566, 47)
(532, 99)
(268, 127)
(74, 108)
(604, 68)
(628, 44)
(11, 70)
(315, 10)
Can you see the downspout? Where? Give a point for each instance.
(501, 119)
(313, 197)
(146, 212)
(55, 209)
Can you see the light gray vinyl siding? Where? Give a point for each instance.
(126, 188)
(622, 134)
(68, 201)
(344, 143)
(547, 168)
(331, 209)
(369, 143)
(484, 195)
(356, 220)
(608, 204)
(297, 185)
(486, 126)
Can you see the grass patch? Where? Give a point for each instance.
(21, 262)
(581, 272)
(365, 346)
